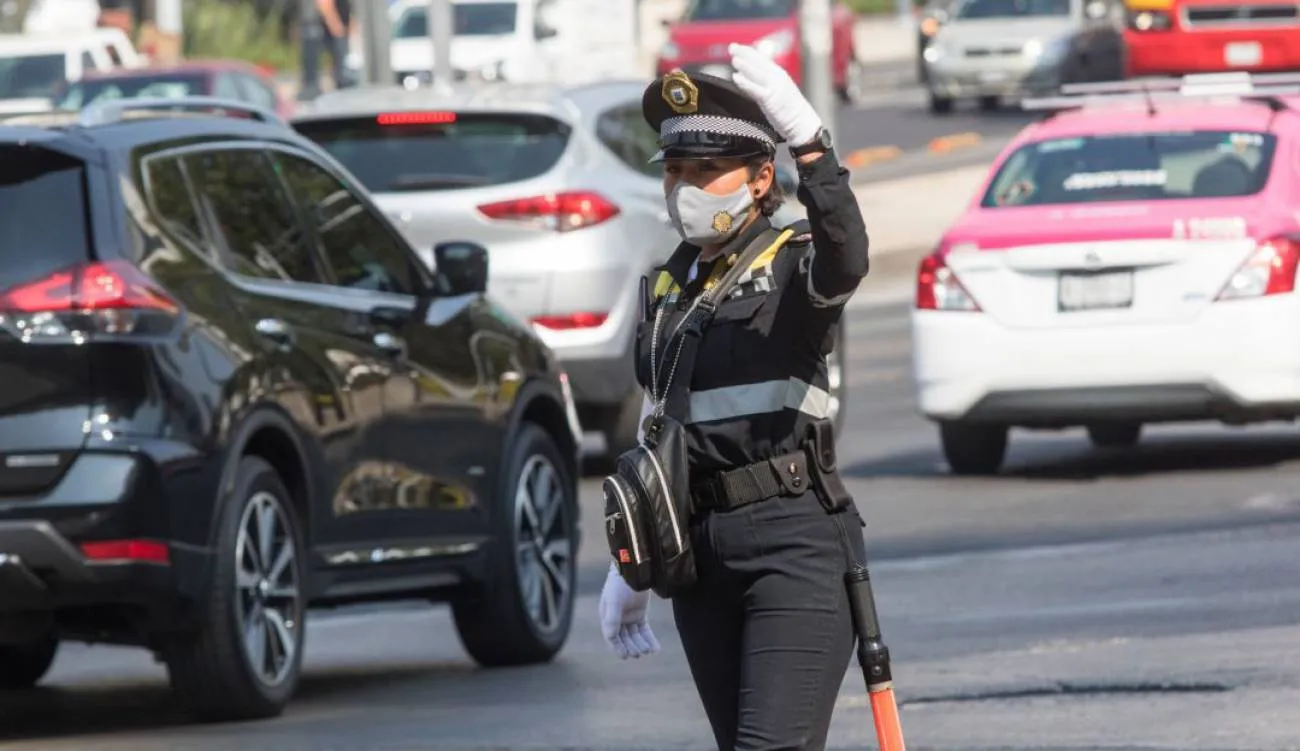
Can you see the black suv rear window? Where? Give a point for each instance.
(440, 151)
(1134, 167)
(42, 214)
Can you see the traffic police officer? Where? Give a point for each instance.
(766, 627)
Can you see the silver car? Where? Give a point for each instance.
(555, 182)
(990, 49)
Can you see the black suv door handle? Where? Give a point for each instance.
(276, 331)
(390, 344)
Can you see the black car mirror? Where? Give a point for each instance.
(462, 267)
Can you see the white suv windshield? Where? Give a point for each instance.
(974, 9)
(30, 76)
(469, 19)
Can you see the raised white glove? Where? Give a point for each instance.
(623, 618)
(775, 93)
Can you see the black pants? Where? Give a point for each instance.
(767, 629)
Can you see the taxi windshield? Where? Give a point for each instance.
(971, 9)
(738, 10)
(1133, 167)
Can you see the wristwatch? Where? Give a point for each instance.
(820, 142)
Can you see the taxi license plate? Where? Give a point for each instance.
(721, 71)
(1094, 290)
(1243, 54)
(993, 76)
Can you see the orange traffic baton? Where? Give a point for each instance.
(873, 656)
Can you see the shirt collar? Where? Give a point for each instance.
(679, 263)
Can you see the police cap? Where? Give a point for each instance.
(699, 116)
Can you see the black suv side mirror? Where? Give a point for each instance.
(462, 267)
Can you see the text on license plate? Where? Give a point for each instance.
(1242, 54)
(1095, 290)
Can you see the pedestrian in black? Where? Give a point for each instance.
(766, 627)
(326, 24)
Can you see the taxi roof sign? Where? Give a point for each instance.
(1150, 90)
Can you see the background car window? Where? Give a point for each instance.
(362, 250)
(626, 133)
(27, 76)
(255, 223)
(1136, 167)
(725, 10)
(256, 92)
(1012, 8)
(88, 91)
(225, 88)
(468, 19)
(453, 151)
(173, 205)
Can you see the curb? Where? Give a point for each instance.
(937, 146)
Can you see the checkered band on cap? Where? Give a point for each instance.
(718, 124)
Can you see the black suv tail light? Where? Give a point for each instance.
(111, 298)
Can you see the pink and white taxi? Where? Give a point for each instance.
(1131, 259)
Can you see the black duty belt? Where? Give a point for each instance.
(781, 475)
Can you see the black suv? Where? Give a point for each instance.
(229, 391)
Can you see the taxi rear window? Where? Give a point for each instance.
(1134, 167)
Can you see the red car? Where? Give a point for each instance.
(698, 42)
(227, 79)
(1176, 37)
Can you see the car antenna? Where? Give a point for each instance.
(1151, 102)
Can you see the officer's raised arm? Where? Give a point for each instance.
(838, 260)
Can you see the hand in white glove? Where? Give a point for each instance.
(623, 618)
(775, 93)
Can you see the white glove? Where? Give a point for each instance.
(623, 618)
(775, 93)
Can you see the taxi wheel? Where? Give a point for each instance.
(23, 665)
(990, 103)
(973, 449)
(1115, 434)
(940, 105)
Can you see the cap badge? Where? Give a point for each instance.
(721, 221)
(681, 93)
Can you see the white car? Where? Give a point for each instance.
(34, 66)
(1132, 261)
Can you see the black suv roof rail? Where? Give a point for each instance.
(104, 113)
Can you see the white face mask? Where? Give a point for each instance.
(703, 218)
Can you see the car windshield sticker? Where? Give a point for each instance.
(1063, 144)
(1210, 228)
(1115, 179)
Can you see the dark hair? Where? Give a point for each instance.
(772, 200)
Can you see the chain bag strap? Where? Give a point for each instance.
(647, 499)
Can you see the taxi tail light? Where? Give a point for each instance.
(560, 212)
(104, 299)
(571, 321)
(937, 287)
(1270, 270)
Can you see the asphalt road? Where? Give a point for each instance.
(1083, 599)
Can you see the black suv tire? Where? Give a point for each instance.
(495, 624)
(212, 669)
(24, 665)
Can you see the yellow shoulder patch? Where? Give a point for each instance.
(664, 284)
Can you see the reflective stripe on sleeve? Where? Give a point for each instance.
(759, 398)
(817, 299)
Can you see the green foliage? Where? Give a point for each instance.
(234, 30)
(877, 7)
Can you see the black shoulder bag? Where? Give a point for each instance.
(647, 499)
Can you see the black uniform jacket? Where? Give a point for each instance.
(760, 375)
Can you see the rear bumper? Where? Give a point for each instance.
(1237, 361)
(1205, 51)
(955, 80)
(109, 496)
